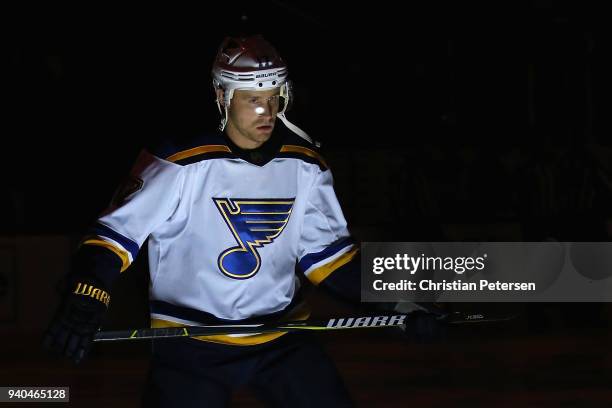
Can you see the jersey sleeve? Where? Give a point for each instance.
(326, 248)
(147, 198)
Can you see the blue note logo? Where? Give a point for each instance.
(253, 223)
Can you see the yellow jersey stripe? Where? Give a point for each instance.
(318, 275)
(249, 340)
(121, 253)
(198, 150)
(224, 339)
(305, 151)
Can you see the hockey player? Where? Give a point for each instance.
(227, 215)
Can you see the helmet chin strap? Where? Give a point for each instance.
(295, 129)
(285, 92)
(223, 111)
(223, 119)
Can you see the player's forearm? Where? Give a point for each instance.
(345, 282)
(96, 262)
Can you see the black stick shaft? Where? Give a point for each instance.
(343, 323)
(293, 326)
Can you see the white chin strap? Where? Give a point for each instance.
(296, 130)
(223, 112)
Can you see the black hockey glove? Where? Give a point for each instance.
(77, 320)
(424, 323)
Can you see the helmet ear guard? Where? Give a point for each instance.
(251, 63)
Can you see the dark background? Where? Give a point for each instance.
(441, 121)
(489, 110)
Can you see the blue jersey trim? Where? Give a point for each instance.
(310, 259)
(104, 231)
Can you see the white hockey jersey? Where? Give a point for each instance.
(225, 234)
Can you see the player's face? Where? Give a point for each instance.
(251, 117)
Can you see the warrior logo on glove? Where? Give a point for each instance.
(93, 292)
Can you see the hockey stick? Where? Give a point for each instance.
(362, 322)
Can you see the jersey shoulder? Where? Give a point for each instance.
(190, 149)
(294, 146)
